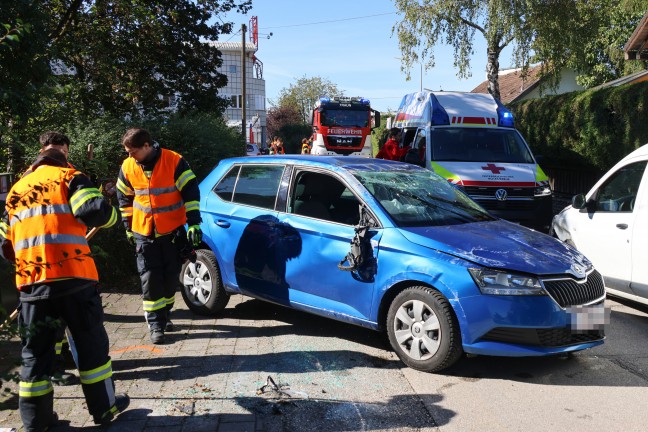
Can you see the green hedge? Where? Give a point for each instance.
(202, 139)
(591, 129)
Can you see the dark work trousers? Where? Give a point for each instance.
(41, 321)
(158, 264)
(64, 342)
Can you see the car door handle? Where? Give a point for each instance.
(622, 226)
(223, 223)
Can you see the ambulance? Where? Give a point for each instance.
(470, 139)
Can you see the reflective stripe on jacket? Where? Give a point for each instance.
(48, 240)
(157, 200)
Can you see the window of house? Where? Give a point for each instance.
(232, 69)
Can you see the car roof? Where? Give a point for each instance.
(336, 162)
(638, 153)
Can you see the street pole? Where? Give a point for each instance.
(421, 76)
(243, 89)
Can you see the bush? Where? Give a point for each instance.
(589, 129)
(292, 135)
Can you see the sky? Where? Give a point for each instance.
(350, 43)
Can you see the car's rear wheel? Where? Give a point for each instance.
(423, 330)
(202, 287)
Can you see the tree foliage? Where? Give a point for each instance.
(66, 61)
(550, 32)
(281, 116)
(122, 56)
(303, 94)
(604, 57)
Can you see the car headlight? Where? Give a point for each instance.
(542, 191)
(496, 282)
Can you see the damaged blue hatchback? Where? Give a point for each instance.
(391, 247)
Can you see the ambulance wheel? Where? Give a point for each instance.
(202, 287)
(423, 329)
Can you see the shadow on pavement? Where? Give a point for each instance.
(186, 367)
(400, 412)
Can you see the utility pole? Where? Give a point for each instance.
(421, 61)
(243, 89)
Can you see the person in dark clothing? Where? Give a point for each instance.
(47, 213)
(158, 193)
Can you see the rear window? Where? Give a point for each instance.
(255, 185)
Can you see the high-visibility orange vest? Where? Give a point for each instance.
(157, 200)
(49, 242)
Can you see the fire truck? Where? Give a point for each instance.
(342, 126)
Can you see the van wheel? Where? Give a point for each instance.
(423, 330)
(202, 287)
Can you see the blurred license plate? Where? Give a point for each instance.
(591, 317)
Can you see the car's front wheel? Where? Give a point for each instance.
(202, 287)
(423, 330)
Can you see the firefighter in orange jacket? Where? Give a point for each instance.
(43, 233)
(158, 193)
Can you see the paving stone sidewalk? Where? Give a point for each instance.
(184, 385)
(212, 374)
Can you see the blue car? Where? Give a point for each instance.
(392, 247)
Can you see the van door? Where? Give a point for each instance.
(639, 244)
(604, 229)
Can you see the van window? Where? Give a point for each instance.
(479, 145)
(619, 192)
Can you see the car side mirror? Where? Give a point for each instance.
(578, 201)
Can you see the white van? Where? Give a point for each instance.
(609, 225)
(470, 139)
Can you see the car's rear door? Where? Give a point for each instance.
(243, 224)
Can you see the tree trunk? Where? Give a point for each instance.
(492, 71)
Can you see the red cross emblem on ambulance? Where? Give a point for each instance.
(493, 168)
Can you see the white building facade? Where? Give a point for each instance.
(255, 100)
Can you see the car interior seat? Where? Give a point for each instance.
(312, 202)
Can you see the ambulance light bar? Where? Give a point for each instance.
(325, 100)
(439, 114)
(504, 116)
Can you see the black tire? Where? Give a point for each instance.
(429, 350)
(202, 286)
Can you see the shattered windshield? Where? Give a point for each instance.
(415, 198)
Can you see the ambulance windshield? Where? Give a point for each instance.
(479, 145)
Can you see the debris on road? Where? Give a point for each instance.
(280, 391)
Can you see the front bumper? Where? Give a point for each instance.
(518, 326)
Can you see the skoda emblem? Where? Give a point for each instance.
(501, 194)
(578, 270)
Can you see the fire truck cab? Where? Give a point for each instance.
(342, 126)
(470, 139)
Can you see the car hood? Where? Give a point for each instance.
(504, 245)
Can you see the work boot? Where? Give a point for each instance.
(64, 379)
(121, 403)
(157, 336)
(169, 327)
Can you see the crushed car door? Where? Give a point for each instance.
(325, 213)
